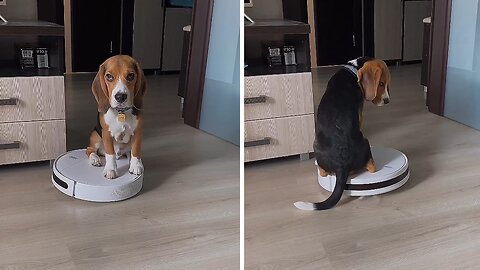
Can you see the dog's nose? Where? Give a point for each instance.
(386, 101)
(120, 97)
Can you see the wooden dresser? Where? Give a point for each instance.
(278, 102)
(32, 119)
(32, 101)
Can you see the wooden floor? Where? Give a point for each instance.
(186, 216)
(433, 222)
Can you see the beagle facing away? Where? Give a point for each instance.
(339, 146)
(118, 87)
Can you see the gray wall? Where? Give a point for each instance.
(265, 9)
(16, 10)
(19, 10)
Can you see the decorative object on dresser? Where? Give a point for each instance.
(279, 113)
(32, 100)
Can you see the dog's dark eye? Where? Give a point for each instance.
(382, 84)
(109, 77)
(130, 77)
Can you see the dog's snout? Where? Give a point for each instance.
(120, 97)
(386, 100)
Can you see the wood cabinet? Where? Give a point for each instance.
(175, 20)
(278, 101)
(279, 95)
(387, 28)
(414, 13)
(32, 119)
(398, 29)
(279, 137)
(32, 100)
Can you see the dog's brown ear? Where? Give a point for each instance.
(369, 79)
(99, 90)
(140, 87)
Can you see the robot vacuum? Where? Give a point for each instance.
(392, 172)
(76, 177)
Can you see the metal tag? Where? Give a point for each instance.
(121, 117)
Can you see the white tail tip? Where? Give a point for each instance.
(304, 206)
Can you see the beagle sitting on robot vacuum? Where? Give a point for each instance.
(118, 87)
(339, 146)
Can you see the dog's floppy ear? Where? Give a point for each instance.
(369, 79)
(140, 87)
(99, 90)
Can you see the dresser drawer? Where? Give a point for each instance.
(278, 95)
(279, 137)
(31, 141)
(32, 98)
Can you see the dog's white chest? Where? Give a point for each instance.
(121, 130)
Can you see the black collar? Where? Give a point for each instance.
(134, 109)
(122, 110)
(354, 65)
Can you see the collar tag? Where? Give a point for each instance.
(121, 117)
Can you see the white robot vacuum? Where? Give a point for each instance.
(75, 176)
(392, 172)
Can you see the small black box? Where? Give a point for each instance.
(25, 56)
(273, 54)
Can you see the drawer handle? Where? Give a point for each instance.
(264, 141)
(8, 101)
(7, 146)
(253, 100)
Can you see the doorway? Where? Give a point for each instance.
(101, 32)
(343, 30)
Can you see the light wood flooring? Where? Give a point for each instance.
(433, 222)
(186, 216)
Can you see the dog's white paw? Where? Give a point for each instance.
(95, 160)
(110, 174)
(136, 166)
(110, 170)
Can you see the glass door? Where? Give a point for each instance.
(462, 89)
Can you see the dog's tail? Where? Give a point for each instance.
(340, 184)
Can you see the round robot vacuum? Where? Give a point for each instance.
(75, 176)
(392, 172)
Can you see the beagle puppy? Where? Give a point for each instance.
(339, 146)
(118, 88)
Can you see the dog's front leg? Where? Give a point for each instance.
(136, 165)
(110, 170)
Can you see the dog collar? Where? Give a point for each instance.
(123, 110)
(352, 66)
